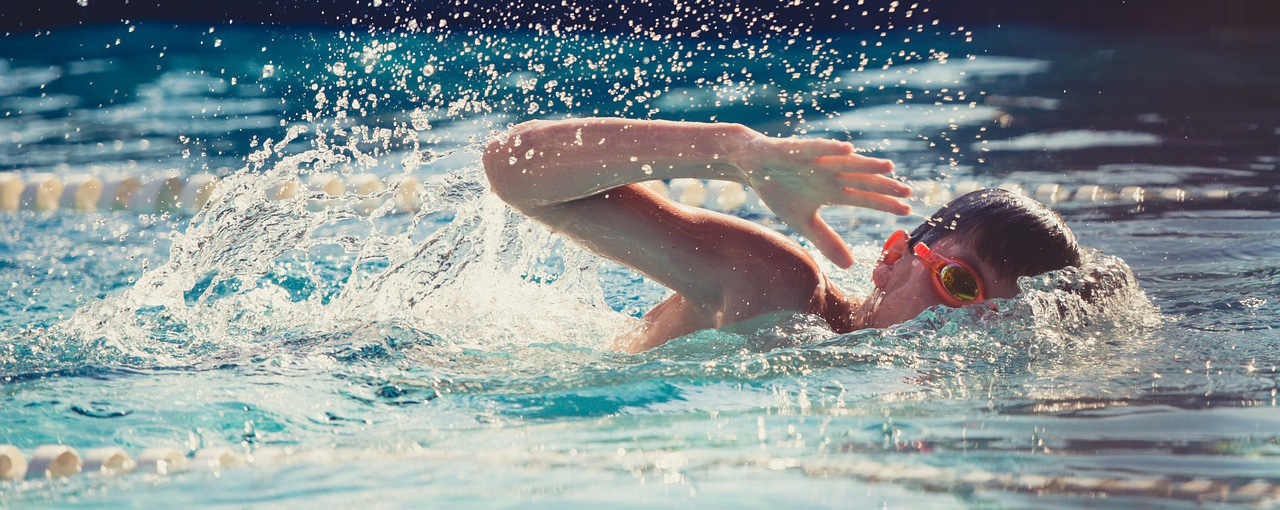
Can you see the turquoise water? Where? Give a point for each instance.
(458, 357)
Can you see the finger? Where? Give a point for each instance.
(855, 163)
(875, 201)
(875, 184)
(827, 241)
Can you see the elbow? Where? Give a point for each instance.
(509, 176)
(500, 171)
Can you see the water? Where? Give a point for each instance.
(460, 356)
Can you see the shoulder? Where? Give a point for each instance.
(773, 273)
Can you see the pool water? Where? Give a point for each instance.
(459, 356)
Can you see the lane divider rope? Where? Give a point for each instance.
(61, 461)
(169, 192)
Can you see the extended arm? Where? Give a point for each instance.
(574, 176)
(544, 163)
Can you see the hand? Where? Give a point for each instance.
(796, 176)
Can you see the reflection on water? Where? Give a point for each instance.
(460, 353)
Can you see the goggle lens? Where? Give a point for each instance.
(951, 277)
(959, 281)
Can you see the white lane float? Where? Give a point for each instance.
(365, 185)
(725, 195)
(1216, 194)
(1012, 187)
(1173, 194)
(81, 192)
(41, 192)
(10, 191)
(168, 191)
(195, 193)
(218, 458)
(688, 191)
(53, 461)
(13, 466)
(1051, 193)
(107, 460)
(158, 193)
(117, 191)
(283, 189)
(57, 461)
(966, 187)
(1133, 194)
(161, 460)
(330, 185)
(408, 194)
(1090, 193)
(658, 187)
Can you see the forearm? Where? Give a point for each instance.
(549, 162)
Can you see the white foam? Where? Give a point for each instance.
(1071, 140)
(942, 74)
(13, 80)
(907, 117)
(41, 104)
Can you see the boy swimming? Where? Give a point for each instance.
(579, 178)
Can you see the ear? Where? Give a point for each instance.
(894, 248)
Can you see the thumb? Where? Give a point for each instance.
(828, 241)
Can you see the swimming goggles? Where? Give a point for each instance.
(955, 282)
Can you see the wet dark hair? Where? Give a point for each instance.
(1015, 235)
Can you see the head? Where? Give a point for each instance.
(972, 250)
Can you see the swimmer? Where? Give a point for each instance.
(579, 178)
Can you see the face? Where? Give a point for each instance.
(905, 287)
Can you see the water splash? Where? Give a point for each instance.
(252, 275)
(251, 270)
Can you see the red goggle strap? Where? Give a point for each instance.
(931, 259)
